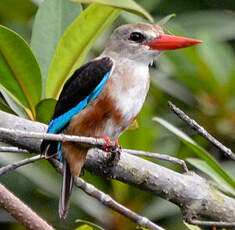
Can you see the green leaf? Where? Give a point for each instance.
(84, 227)
(4, 107)
(207, 169)
(218, 23)
(76, 43)
(45, 110)
(171, 87)
(158, 209)
(52, 19)
(166, 19)
(16, 107)
(19, 71)
(128, 5)
(134, 126)
(141, 227)
(192, 227)
(200, 152)
(88, 224)
(17, 10)
(218, 57)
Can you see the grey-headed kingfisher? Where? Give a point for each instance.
(103, 97)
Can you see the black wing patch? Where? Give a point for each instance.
(81, 84)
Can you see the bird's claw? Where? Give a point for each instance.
(109, 147)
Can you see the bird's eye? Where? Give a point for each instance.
(137, 37)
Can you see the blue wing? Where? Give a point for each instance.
(57, 124)
(83, 87)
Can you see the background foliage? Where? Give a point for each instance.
(201, 80)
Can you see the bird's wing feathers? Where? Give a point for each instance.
(85, 84)
(83, 87)
(81, 84)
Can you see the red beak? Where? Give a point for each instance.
(170, 42)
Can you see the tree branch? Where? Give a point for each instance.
(22, 213)
(87, 188)
(193, 194)
(90, 141)
(107, 200)
(7, 149)
(159, 157)
(18, 164)
(201, 131)
(211, 223)
(63, 137)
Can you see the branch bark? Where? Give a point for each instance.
(193, 194)
(16, 165)
(22, 213)
(201, 131)
(107, 200)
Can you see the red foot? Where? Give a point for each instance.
(116, 143)
(108, 146)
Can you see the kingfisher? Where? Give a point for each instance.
(103, 97)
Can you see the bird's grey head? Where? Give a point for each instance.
(142, 42)
(130, 41)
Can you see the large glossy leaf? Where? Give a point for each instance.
(19, 71)
(4, 107)
(76, 43)
(17, 10)
(45, 110)
(128, 5)
(16, 107)
(52, 19)
(198, 150)
(207, 169)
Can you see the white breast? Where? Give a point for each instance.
(130, 85)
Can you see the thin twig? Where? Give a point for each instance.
(201, 131)
(158, 156)
(18, 164)
(95, 142)
(108, 201)
(6, 149)
(21, 212)
(211, 223)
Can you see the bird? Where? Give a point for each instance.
(103, 97)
